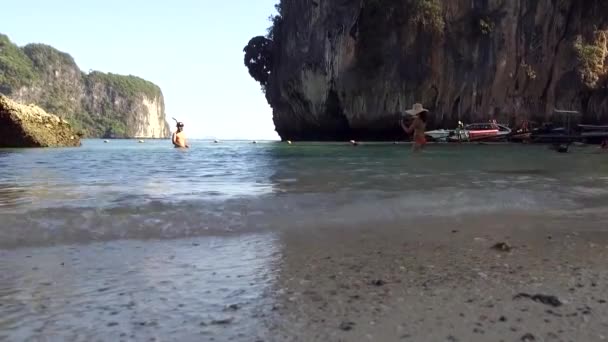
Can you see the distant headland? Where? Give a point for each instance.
(97, 104)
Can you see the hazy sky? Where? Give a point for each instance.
(191, 48)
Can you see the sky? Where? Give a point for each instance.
(192, 49)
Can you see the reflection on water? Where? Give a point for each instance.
(182, 290)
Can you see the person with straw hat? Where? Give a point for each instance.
(418, 126)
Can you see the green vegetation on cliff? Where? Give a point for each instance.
(16, 69)
(592, 58)
(98, 104)
(428, 14)
(126, 85)
(42, 55)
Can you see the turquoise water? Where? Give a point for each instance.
(129, 241)
(124, 189)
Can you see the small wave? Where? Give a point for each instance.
(142, 218)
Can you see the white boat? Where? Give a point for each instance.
(445, 134)
(439, 134)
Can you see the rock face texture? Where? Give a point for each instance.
(343, 69)
(31, 126)
(99, 104)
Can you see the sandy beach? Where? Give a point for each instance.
(445, 284)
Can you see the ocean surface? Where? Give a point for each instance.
(143, 241)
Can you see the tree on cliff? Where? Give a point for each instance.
(258, 59)
(277, 21)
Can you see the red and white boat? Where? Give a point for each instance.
(482, 132)
(490, 131)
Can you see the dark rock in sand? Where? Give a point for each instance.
(347, 326)
(502, 247)
(544, 299)
(378, 282)
(223, 321)
(528, 338)
(31, 126)
(232, 307)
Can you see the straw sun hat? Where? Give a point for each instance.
(416, 109)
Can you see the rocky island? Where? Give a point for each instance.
(95, 103)
(339, 70)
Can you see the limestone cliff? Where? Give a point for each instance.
(343, 69)
(99, 104)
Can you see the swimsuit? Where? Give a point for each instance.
(420, 140)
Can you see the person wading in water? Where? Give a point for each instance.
(179, 137)
(418, 126)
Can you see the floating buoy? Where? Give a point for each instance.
(288, 142)
(216, 141)
(254, 142)
(354, 143)
(106, 141)
(141, 141)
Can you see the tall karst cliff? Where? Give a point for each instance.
(99, 104)
(343, 69)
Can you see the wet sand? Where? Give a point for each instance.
(439, 279)
(443, 282)
(204, 289)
